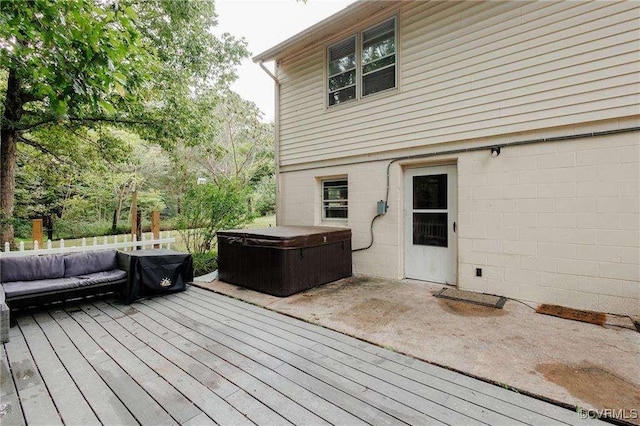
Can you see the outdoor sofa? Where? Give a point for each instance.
(33, 280)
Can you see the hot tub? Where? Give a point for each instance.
(284, 260)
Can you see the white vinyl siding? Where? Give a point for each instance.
(470, 70)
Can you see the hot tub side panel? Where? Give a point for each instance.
(309, 267)
(282, 271)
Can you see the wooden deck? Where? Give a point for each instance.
(201, 358)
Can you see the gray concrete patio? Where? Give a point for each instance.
(199, 357)
(569, 362)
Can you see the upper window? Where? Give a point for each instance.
(379, 58)
(342, 71)
(361, 65)
(335, 199)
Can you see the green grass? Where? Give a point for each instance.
(263, 222)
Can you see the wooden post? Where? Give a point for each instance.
(36, 231)
(134, 212)
(155, 226)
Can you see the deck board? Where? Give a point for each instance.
(201, 395)
(165, 396)
(288, 399)
(406, 407)
(10, 409)
(136, 396)
(539, 411)
(252, 356)
(35, 400)
(69, 401)
(200, 358)
(106, 405)
(459, 397)
(249, 346)
(217, 357)
(416, 394)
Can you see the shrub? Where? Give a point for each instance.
(204, 263)
(22, 228)
(209, 208)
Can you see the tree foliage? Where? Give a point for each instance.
(76, 69)
(70, 59)
(264, 197)
(241, 148)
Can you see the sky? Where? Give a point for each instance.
(263, 24)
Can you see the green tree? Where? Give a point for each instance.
(209, 208)
(71, 67)
(242, 148)
(264, 196)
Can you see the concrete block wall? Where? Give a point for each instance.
(548, 223)
(554, 223)
(301, 205)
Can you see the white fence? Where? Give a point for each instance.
(164, 241)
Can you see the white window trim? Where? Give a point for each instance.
(359, 65)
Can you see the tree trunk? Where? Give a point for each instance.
(7, 184)
(8, 141)
(118, 209)
(114, 223)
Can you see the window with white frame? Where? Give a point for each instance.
(362, 64)
(335, 199)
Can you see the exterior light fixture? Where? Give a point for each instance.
(495, 151)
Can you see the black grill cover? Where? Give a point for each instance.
(158, 271)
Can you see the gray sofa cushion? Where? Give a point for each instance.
(77, 264)
(103, 277)
(21, 288)
(31, 268)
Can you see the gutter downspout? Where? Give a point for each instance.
(276, 138)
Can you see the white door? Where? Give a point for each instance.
(430, 211)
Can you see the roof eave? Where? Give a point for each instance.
(275, 51)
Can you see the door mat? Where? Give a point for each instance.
(471, 297)
(592, 317)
